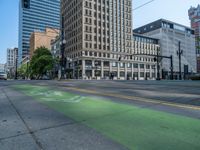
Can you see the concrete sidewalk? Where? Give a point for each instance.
(26, 124)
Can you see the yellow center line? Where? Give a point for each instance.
(135, 98)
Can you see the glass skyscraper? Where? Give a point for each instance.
(35, 15)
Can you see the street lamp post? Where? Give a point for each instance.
(16, 69)
(63, 61)
(62, 48)
(179, 53)
(158, 66)
(63, 42)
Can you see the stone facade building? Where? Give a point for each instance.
(97, 34)
(39, 39)
(169, 35)
(194, 16)
(11, 64)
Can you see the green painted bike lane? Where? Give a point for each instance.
(131, 126)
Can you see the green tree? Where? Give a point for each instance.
(41, 62)
(198, 40)
(22, 71)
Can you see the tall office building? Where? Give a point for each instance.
(97, 33)
(11, 64)
(36, 15)
(169, 35)
(194, 16)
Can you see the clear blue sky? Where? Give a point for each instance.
(174, 10)
(8, 26)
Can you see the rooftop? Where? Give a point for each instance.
(162, 23)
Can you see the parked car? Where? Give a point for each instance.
(3, 76)
(195, 77)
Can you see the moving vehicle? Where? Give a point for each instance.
(3, 76)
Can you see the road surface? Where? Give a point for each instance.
(99, 115)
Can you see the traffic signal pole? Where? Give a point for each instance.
(172, 68)
(157, 56)
(179, 53)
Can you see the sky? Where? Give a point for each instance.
(173, 10)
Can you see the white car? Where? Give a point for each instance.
(3, 76)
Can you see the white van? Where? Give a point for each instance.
(3, 76)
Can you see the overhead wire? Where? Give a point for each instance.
(143, 5)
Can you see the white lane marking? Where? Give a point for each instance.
(75, 99)
(47, 96)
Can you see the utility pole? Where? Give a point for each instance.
(179, 53)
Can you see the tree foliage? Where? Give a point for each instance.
(198, 40)
(22, 71)
(41, 62)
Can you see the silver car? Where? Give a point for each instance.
(3, 76)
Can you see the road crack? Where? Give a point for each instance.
(26, 125)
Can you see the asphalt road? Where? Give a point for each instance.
(177, 97)
(27, 124)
